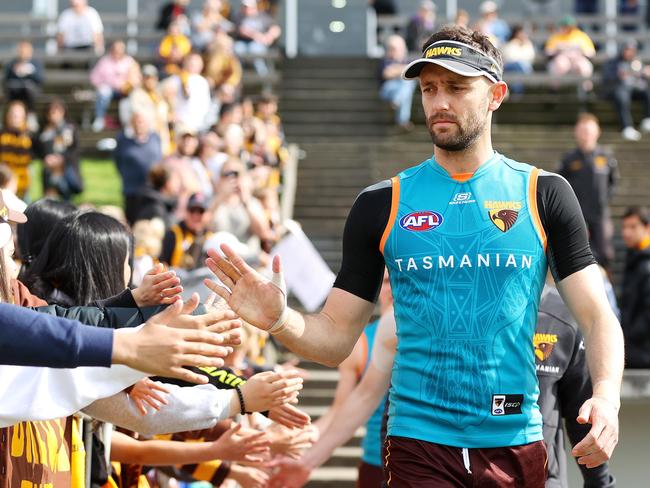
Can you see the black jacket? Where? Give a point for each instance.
(635, 308)
(592, 177)
(152, 203)
(564, 386)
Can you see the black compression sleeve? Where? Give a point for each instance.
(568, 242)
(362, 266)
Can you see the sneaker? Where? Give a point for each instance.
(631, 134)
(98, 125)
(645, 125)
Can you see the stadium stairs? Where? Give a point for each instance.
(331, 108)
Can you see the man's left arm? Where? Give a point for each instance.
(581, 285)
(584, 294)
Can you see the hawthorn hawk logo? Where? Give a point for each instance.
(504, 218)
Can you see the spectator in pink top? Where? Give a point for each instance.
(114, 75)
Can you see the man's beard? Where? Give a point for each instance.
(465, 137)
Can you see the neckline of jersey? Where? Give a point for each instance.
(481, 169)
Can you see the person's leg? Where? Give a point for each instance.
(370, 476)
(411, 463)
(510, 467)
(622, 100)
(559, 65)
(644, 95)
(103, 97)
(405, 102)
(259, 51)
(389, 91)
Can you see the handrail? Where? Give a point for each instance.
(289, 183)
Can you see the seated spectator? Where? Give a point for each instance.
(569, 51)
(114, 76)
(493, 26)
(182, 246)
(173, 48)
(207, 22)
(635, 305)
(626, 78)
(235, 210)
(16, 145)
(138, 149)
(159, 198)
(189, 95)
(211, 156)
(393, 88)
(421, 26)
(80, 27)
(256, 31)
(592, 172)
(148, 100)
(24, 77)
(172, 11)
(518, 56)
(58, 147)
(223, 69)
(181, 164)
(229, 114)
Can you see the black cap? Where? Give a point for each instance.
(458, 57)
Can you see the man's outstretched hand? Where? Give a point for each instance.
(164, 351)
(251, 296)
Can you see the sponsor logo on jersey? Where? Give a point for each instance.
(465, 261)
(462, 198)
(544, 344)
(507, 404)
(421, 221)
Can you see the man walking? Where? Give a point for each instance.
(467, 237)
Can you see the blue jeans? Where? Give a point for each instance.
(400, 93)
(103, 98)
(243, 48)
(517, 67)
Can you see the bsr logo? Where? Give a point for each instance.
(421, 221)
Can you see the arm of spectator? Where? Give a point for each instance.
(188, 408)
(38, 75)
(272, 34)
(50, 341)
(392, 71)
(230, 446)
(587, 46)
(99, 73)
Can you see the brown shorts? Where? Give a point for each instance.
(411, 463)
(370, 476)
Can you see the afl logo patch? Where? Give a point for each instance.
(421, 221)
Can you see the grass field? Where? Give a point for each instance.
(101, 182)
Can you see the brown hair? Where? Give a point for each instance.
(475, 39)
(587, 117)
(159, 176)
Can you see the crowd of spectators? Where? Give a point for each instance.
(567, 50)
(187, 132)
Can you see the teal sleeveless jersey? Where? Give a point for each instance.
(372, 442)
(467, 264)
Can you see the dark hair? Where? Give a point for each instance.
(638, 211)
(475, 39)
(587, 117)
(42, 216)
(159, 175)
(515, 30)
(83, 257)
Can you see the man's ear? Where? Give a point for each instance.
(498, 93)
